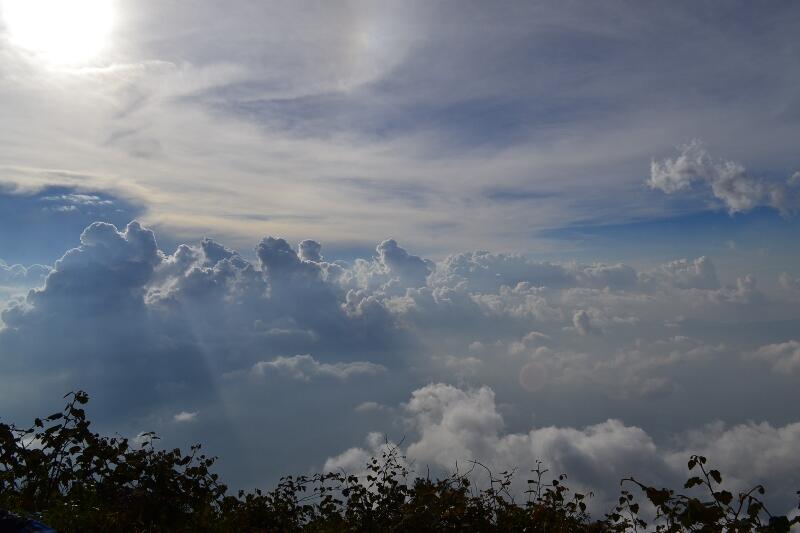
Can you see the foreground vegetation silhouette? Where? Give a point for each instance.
(61, 473)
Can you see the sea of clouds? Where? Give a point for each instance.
(291, 362)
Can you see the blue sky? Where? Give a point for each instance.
(576, 221)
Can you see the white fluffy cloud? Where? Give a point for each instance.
(729, 181)
(453, 426)
(185, 416)
(747, 454)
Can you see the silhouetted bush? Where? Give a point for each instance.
(61, 473)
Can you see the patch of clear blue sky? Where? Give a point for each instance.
(39, 227)
(760, 241)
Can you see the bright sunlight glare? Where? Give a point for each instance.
(62, 32)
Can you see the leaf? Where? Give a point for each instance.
(716, 475)
(658, 497)
(724, 497)
(780, 524)
(692, 481)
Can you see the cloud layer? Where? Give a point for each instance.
(608, 360)
(447, 126)
(453, 427)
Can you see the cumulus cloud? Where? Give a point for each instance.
(208, 297)
(105, 276)
(748, 453)
(745, 291)
(729, 181)
(583, 323)
(122, 319)
(305, 368)
(530, 339)
(410, 269)
(453, 426)
(486, 272)
(310, 251)
(392, 271)
(22, 276)
(279, 260)
(784, 357)
(698, 273)
(355, 459)
(185, 416)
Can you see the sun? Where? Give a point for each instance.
(61, 32)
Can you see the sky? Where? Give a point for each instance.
(296, 231)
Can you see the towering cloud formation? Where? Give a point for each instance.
(92, 299)
(108, 272)
(409, 270)
(261, 344)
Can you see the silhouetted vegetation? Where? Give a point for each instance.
(61, 473)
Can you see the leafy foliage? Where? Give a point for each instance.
(718, 511)
(62, 473)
